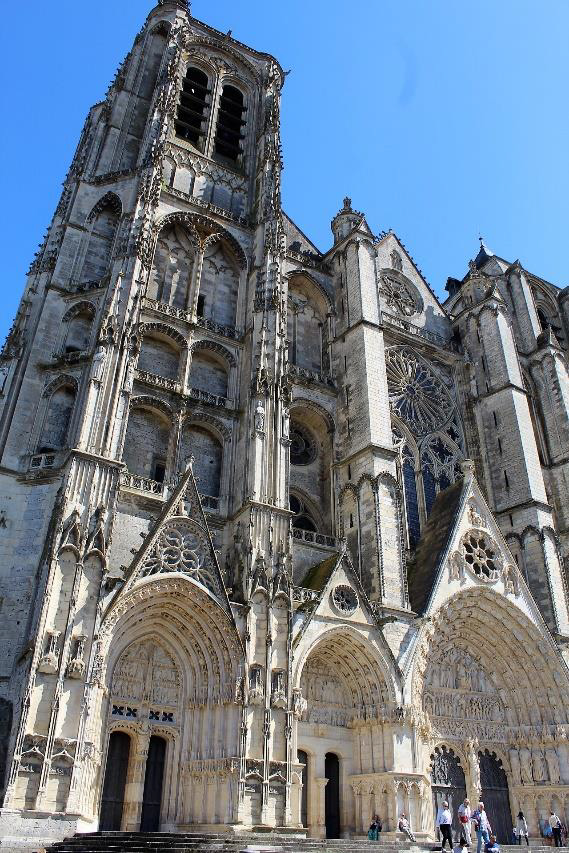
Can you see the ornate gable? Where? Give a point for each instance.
(475, 553)
(180, 542)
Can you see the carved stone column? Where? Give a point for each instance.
(321, 783)
(134, 789)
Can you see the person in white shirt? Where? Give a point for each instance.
(404, 827)
(522, 828)
(483, 828)
(444, 822)
(555, 825)
(464, 815)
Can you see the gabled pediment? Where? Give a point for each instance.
(332, 592)
(179, 543)
(462, 547)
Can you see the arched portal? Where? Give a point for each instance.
(448, 782)
(495, 794)
(172, 660)
(343, 682)
(475, 686)
(112, 803)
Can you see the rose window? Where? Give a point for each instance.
(178, 549)
(416, 394)
(302, 446)
(344, 599)
(398, 295)
(480, 556)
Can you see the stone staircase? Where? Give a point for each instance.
(165, 842)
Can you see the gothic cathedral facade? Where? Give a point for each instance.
(284, 538)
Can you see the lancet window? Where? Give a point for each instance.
(426, 431)
(193, 107)
(230, 121)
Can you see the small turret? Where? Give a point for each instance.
(345, 221)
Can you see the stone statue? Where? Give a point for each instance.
(515, 764)
(260, 417)
(286, 423)
(98, 362)
(539, 772)
(553, 766)
(474, 765)
(526, 767)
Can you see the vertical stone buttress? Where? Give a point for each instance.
(370, 512)
(512, 468)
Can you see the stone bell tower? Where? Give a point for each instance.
(152, 330)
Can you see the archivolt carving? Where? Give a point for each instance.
(83, 307)
(530, 680)
(186, 613)
(164, 330)
(65, 379)
(222, 351)
(148, 402)
(111, 200)
(195, 221)
(195, 417)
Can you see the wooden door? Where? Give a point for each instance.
(153, 779)
(332, 795)
(115, 781)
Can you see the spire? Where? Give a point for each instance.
(484, 254)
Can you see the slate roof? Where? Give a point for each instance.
(317, 576)
(423, 566)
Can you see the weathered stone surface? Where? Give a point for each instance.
(350, 596)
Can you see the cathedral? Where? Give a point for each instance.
(284, 538)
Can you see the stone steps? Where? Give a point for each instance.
(169, 842)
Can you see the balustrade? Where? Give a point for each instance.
(314, 538)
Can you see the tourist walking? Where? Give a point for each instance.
(444, 823)
(522, 828)
(404, 827)
(555, 825)
(464, 816)
(375, 828)
(482, 826)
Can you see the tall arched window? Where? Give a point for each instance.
(78, 334)
(219, 286)
(159, 356)
(146, 444)
(57, 418)
(440, 465)
(229, 123)
(172, 267)
(103, 228)
(192, 107)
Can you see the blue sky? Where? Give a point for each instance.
(442, 119)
